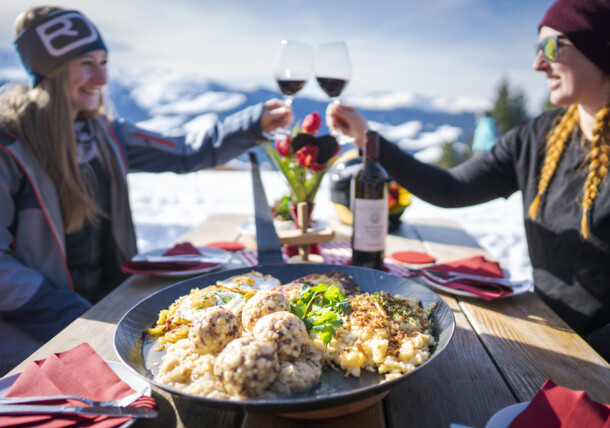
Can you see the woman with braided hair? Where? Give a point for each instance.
(559, 161)
(65, 220)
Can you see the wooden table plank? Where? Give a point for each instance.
(370, 417)
(531, 344)
(461, 386)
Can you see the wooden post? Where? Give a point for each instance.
(303, 225)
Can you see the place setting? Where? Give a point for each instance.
(183, 259)
(475, 276)
(75, 388)
(552, 406)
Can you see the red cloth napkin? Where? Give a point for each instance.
(78, 371)
(185, 248)
(556, 406)
(477, 265)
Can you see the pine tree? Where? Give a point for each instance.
(510, 106)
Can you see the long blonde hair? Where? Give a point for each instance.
(42, 117)
(598, 159)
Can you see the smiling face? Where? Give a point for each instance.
(87, 76)
(572, 78)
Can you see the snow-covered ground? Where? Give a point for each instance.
(166, 205)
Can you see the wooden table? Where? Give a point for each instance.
(502, 351)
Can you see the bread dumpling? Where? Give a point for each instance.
(263, 303)
(213, 328)
(286, 331)
(247, 366)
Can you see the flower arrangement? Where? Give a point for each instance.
(303, 158)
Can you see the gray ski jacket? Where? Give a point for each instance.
(36, 290)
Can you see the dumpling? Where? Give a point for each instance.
(285, 330)
(213, 328)
(263, 303)
(247, 366)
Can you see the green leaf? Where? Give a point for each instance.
(333, 294)
(298, 309)
(320, 288)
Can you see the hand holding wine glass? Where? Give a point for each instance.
(347, 120)
(333, 70)
(275, 115)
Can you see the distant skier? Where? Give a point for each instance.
(484, 133)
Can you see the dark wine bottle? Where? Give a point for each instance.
(370, 208)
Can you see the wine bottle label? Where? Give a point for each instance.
(370, 224)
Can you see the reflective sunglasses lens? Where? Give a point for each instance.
(549, 49)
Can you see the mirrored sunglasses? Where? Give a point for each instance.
(550, 47)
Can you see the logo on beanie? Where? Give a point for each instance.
(65, 33)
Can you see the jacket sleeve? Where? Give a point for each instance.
(480, 179)
(208, 142)
(27, 299)
(511, 165)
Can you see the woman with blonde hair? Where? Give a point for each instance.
(65, 221)
(559, 161)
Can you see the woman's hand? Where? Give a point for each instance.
(347, 120)
(276, 114)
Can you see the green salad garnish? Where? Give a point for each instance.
(320, 307)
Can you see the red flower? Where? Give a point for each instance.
(284, 147)
(326, 144)
(307, 155)
(311, 123)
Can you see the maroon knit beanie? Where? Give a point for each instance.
(586, 23)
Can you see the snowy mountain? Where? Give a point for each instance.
(163, 99)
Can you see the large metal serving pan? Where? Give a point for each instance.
(334, 389)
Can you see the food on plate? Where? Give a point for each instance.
(285, 331)
(344, 282)
(280, 340)
(384, 333)
(247, 366)
(232, 293)
(263, 303)
(253, 280)
(213, 328)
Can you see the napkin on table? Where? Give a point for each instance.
(557, 406)
(185, 248)
(78, 371)
(341, 253)
(477, 265)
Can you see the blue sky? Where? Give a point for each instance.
(457, 48)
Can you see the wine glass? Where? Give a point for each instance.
(333, 70)
(292, 69)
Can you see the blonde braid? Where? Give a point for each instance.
(598, 166)
(555, 145)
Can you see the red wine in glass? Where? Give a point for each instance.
(290, 87)
(292, 69)
(331, 86)
(332, 69)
